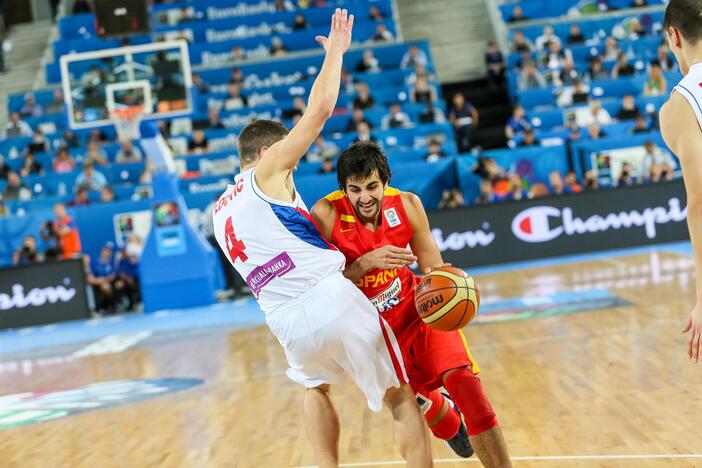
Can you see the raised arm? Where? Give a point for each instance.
(281, 158)
(682, 134)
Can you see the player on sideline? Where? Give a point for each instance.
(681, 126)
(324, 323)
(372, 224)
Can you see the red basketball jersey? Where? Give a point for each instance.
(390, 291)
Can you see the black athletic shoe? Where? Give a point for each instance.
(460, 443)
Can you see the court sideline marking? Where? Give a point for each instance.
(657, 456)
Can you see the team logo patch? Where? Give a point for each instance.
(392, 218)
(21, 409)
(389, 298)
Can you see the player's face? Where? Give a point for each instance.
(366, 196)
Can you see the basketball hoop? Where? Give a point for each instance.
(126, 121)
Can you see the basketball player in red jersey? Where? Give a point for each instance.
(372, 224)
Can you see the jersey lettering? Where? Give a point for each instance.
(235, 247)
(222, 202)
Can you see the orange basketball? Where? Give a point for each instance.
(447, 299)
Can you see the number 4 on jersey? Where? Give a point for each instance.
(235, 247)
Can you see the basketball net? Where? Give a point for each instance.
(126, 120)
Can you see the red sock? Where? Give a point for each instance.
(446, 427)
(465, 389)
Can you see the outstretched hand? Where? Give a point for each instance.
(694, 328)
(340, 34)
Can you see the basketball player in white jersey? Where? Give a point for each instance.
(681, 126)
(324, 323)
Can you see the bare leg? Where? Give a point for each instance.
(322, 426)
(491, 448)
(410, 433)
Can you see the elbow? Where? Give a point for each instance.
(323, 109)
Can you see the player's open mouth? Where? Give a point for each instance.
(369, 207)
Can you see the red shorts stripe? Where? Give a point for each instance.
(394, 350)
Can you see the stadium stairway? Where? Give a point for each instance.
(23, 62)
(457, 31)
(494, 108)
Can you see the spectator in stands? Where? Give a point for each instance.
(555, 57)
(30, 166)
(530, 78)
(529, 139)
(521, 43)
(597, 114)
(300, 23)
(363, 100)
(569, 74)
(348, 82)
(594, 131)
(374, 14)
(81, 6)
(434, 152)
(284, 5)
(420, 70)
(298, 108)
(368, 63)
(575, 35)
(39, 143)
(364, 133)
(517, 191)
(495, 64)
(57, 105)
(98, 136)
(382, 34)
(82, 197)
(90, 178)
(126, 284)
(431, 114)
(590, 181)
(103, 272)
(198, 143)
(15, 188)
(596, 71)
(67, 232)
(199, 84)
(612, 50)
(95, 154)
(278, 49)
(237, 77)
(107, 194)
(464, 117)
(322, 149)
(517, 15)
(356, 117)
(486, 194)
(622, 68)
(396, 118)
(30, 107)
(556, 185)
(663, 57)
(17, 127)
(656, 84)
(213, 121)
(525, 59)
(626, 177)
(235, 100)
(27, 253)
(128, 153)
(4, 168)
(518, 123)
(628, 111)
(327, 166)
(237, 54)
(452, 199)
(571, 183)
(640, 125)
(639, 3)
(145, 176)
(655, 156)
(69, 139)
(413, 57)
(635, 29)
(422, 92)
(544, 41)
(577, 93)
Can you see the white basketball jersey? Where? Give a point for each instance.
(691, 88)
(275, 246)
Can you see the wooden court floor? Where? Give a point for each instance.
(598, 383)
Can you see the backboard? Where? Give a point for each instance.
(157, 76)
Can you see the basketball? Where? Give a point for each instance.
(447, 299)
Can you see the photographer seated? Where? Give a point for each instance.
(27, 254)
(103, 277)
(126, 284)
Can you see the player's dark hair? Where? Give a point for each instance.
(685, 15)
(360, 161)
(256, 135)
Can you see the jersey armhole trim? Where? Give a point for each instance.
(268, 199)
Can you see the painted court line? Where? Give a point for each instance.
(656, 456)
